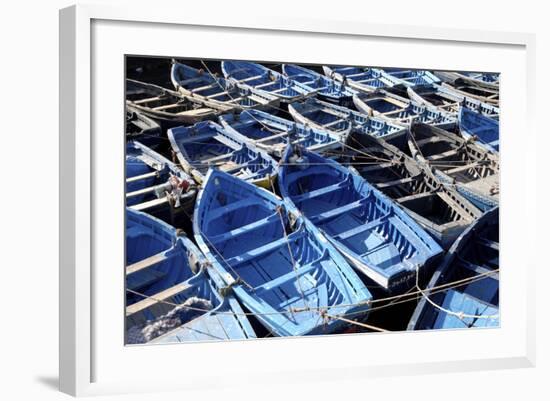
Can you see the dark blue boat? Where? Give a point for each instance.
(153, 182)
(208, 145)
(279, 266)
(472, 261)
(483, 129)
(402, 111)
(327, 88)
(341, 120)
(412, 77)
(378, 238)
(202, 84)
(362, 79)
(258, 77)
(272, 133)
(171, 297)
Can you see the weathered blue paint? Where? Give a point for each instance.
(363, 79)
(484, 129)
(182, 270)
(275, 261)
(272, 133)
(379, 239)
(412, 77)
(200, 83)
(207, 144)
(475, 252)
(327, 88)
(342, 120)
(257, 76)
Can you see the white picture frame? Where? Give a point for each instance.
(91, 362)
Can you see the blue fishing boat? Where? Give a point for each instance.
(439, 209)
(205, 85)
(170, 295)
(402, 111)
(364, 79)
(484, 129)
(327, 88)
(473, 262)
(487, 80)
(341, 120)
(154, 183)
(272, 133)
(378, 238)
(258, 77)
(458, 162)
(279, 266)
(449, 100)
(412, 77)
(208, 145)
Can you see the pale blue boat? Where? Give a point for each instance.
(272, 133)
(277, 263)
(342, 121)
(364, 79)
(172, 294)
(485, 130)
(258, 77)
(376, 236)
(412, 77)
(475, 303)
(327, 88)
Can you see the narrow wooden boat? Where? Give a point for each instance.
(202, 84)
(172, 294)
(412, 77)
(378, 238)
(272, 133)
(401, 111)
(363, 79)
(277, 263)
(341, 121)
(327, 88)
(482, 79)
(154, 184)
(207, 144)
(439, 209)
(169, 107)
(474, 302)
(486, 95)
(140, 127)
(447, 99)
(459, 162)
(483, 129)
(258, 77)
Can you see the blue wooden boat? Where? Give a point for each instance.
(171, 297)
(272, 133)
(402, 111)
(279, 266)
(475, 303)
(482, 79)
(154, 183)
(378, 238)
(364, 79)
(449, 100)
(258, 77)
(170, 108)
(204, 85)
(412, 77)
(458, 162)
(484, 129)
(341, 120)
(327, 88)
(208, 145)
(439, 209)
